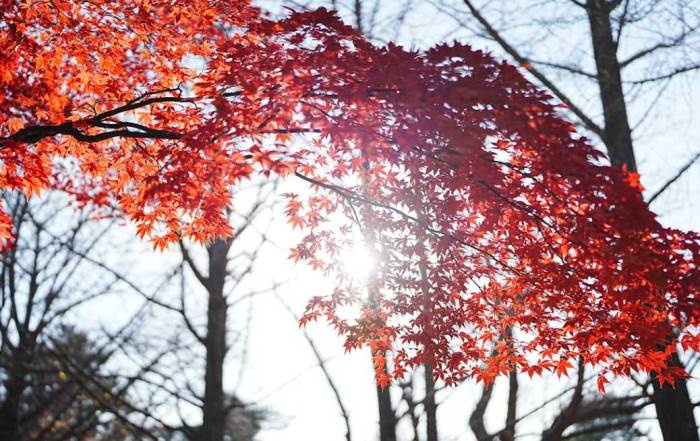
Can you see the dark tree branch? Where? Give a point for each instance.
(350, 195)
(567, 68)
(666, 76)
(508, 433)
(567, 416)
(597, 429)
(676, 177)
(476, 419)
(663, 45)
(204, 280)
(324, 369)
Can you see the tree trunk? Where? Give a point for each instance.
(511, 414)
(387, 417)
(567, 415)
(9, 411)
(476, 419)
(617, 133)
(674, 409)
(214, 418)
(430, 405)
(408, 398)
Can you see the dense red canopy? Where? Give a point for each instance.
(502, 239)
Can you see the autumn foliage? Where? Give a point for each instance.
(502, 238)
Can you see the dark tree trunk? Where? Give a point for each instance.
(617, 133)
(387, 417)
(674, 409)
(476, 419)
(511, 414)
(567, 416)
(408, 398)
(430, 405)
(214, 417)
(9, 411)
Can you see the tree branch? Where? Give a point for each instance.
(476, 419)
(666, 76)
(567, 416)
(350, 195)
(324, 369)
(674, 178)
(666, 45)
(204, 280)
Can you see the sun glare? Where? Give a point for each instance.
(358, 262)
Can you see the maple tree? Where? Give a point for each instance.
(502, 239)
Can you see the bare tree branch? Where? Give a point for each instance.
(676, 177)
(324, 369)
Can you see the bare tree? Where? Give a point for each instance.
(43, 281)
(176, 363)
(125, 383)
(227, 267)
(200, 330)
(581, 413)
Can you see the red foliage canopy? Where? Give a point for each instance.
(502, 239)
